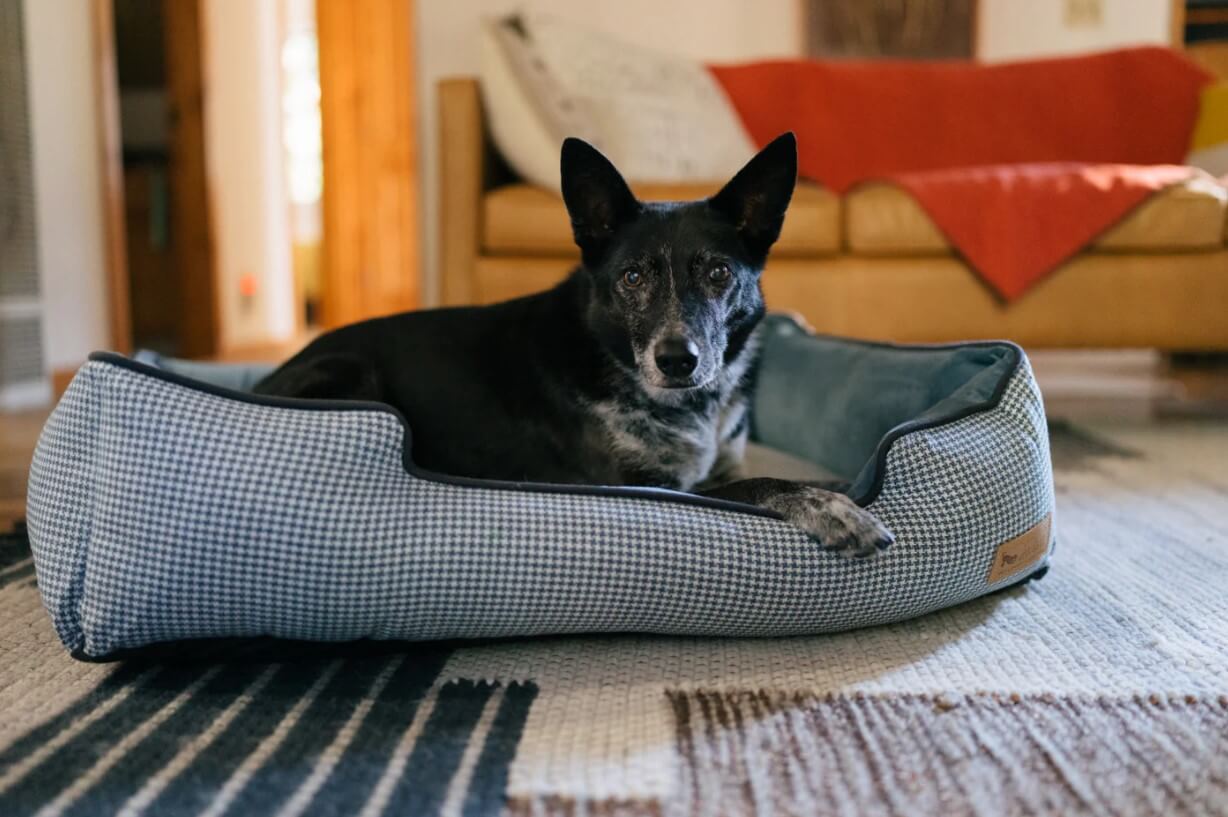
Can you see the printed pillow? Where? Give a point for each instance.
(659, 118)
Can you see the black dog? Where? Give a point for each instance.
(635, 370)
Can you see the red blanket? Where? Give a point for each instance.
(903, 121)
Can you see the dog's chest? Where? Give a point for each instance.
(676, 449)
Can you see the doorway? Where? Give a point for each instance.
(171, 288)
(268, 181)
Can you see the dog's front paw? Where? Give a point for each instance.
(835, 520)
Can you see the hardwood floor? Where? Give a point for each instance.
(18, 435)
(1138, 384)
(1134, 384)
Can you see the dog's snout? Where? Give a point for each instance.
(676, 356)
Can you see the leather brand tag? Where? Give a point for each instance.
(1022, 552)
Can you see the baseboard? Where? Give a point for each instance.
(32, 394)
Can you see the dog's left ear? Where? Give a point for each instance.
(756, 198)
(597, 198)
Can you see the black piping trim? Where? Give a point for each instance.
(215, 649)
(301, 404)
(912, 426)
(628, 492)
(1014, 354)
(270, 649)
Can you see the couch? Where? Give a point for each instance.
(869, 264)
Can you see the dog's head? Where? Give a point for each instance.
(674, 287)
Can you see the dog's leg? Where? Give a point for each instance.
(832, 518)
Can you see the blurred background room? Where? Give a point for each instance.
(220, 179)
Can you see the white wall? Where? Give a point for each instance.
(1015, 29)
(712, 30)
(61, 84)
(243, 155)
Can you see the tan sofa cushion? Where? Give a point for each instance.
(882, 219)
(520, 219)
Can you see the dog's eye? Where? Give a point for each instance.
(719, 274)
(632, 278)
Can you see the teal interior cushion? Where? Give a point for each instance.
(837, 402)
(236, 376)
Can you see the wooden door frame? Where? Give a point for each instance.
(110, 146)
(193, 250)
(191, 218)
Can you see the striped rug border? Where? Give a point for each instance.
(249, 738)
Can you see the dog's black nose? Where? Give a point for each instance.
(676, 357)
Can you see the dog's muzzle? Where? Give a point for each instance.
(677, 358)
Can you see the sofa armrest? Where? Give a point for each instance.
(464, 168)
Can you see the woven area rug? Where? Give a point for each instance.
(1101, 689)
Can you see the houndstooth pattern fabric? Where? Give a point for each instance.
(158, 512)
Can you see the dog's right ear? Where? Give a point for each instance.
(598, 200)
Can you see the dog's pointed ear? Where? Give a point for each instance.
(597, 198)
(756, 198)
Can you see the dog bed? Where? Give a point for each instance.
(166, 503)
